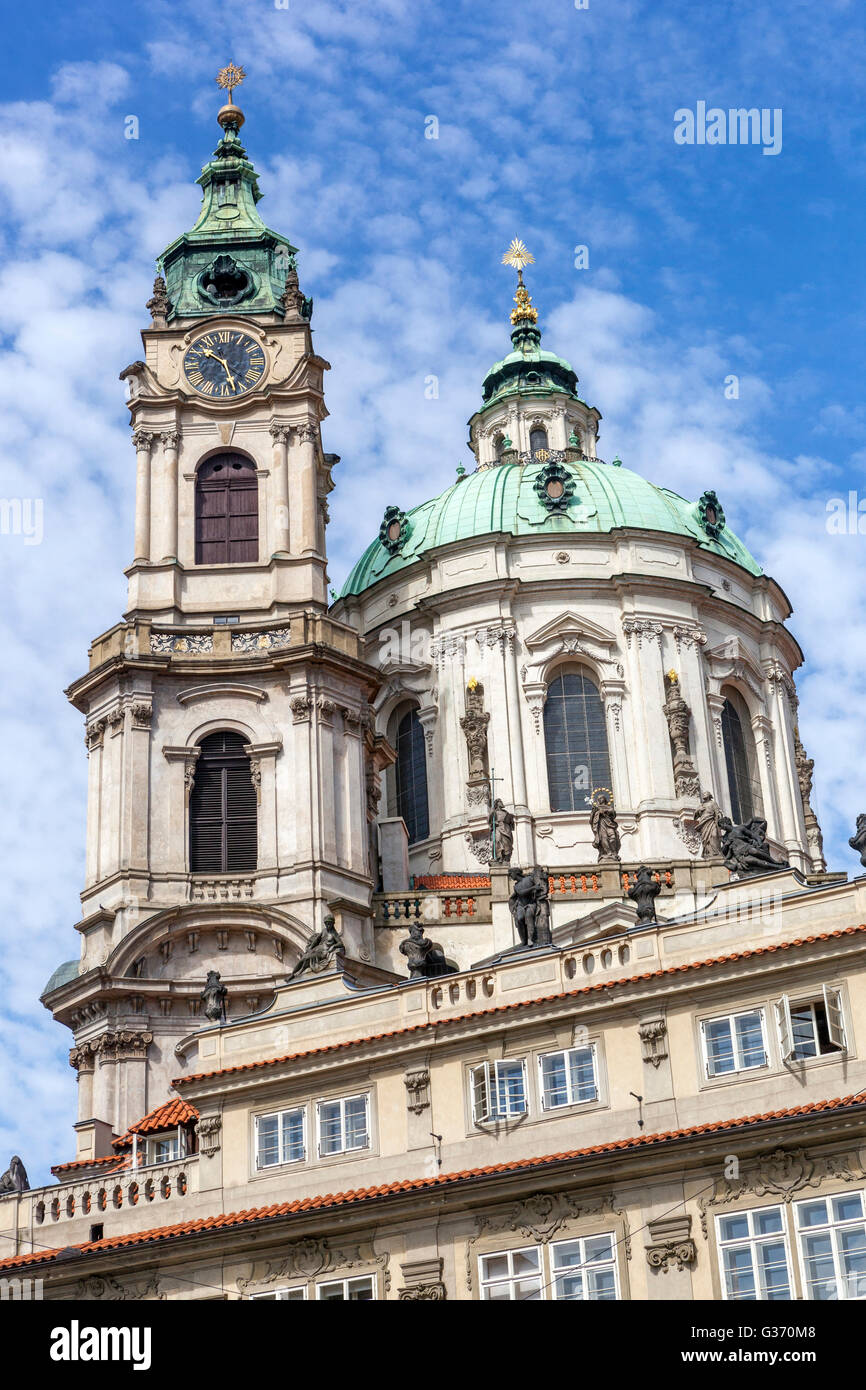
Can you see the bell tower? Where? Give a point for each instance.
(226, 412)
(228, 728)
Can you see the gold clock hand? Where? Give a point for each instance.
(216, 357)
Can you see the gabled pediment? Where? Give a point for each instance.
(569, 625)
(732, 658)
(612, 919)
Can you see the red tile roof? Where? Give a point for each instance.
(76, 1163)
(520, 1004)
(329, 1200)
(452, 881)
(168, 1116)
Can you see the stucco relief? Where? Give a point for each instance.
(782, 1174)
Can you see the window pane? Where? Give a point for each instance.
(494, 1266)
(268, 1140)
(848, 1208)
(734, 1227)
(803, 1030)
(739, 1274)
(750, 1038)
(575, 737)
(330, 1128)
(737, 763)
(812, 1213)
(510, 1099)
(293, 1135)
(526, 1261)
(554, 1080)
(720, 1046)
(583, 1074)
(356, 1122)
(767, 1222)
(410, 775)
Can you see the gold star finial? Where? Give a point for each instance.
(230, 77)
(518, 255)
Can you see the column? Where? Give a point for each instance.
(280, 435)
(792, 815)
(763, 732)
(163, 544)
(142, 439)
(305, 504)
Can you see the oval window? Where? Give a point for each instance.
(555, 488)
(394, 531)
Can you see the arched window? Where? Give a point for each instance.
(575, 740)
(499, 447)
(222, 808)
(537, 439)
(410, 777)
(226, 511)
(744, 786)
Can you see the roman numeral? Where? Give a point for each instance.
(196, 378)
(208, 388)
(252, 376)
(224, 336)
(225, 389)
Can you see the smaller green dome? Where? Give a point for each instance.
(61, 976)
(509, 497)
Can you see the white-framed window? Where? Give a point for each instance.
(343, 1125)
(281, 1137)
(579, 1270)
(831, 1232)
(359, 1290)
(585, 1269)
(811, 1027)
(753, 1255)
(511, 1275)
(734, 1042)
(296, 1295)
(498, 1090)
(569, 1077)
(163, 1148)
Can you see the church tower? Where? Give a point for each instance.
(230, 744)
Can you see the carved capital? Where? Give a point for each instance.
(280, 434)
(417, 1083)
(169, 439)
(302, 708)
(142, 440)
(209, 1129)
(653, 1036)
(306, 433)
(671, 1243)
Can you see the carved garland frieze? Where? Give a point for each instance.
(168, 642)
(261, 641)
(102, 1287)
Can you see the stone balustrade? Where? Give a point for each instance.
(97, 1197)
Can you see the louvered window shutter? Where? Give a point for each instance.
(222, 813)
(226, 511)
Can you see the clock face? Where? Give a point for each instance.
(224, 363)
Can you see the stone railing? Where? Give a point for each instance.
(95, 1198)
(436, 908)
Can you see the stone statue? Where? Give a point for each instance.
(323, 950)
(530, 905)
(474, 725)
(858, 839)
(814, 838)
(644, 893)
(605, 831)
(214, 996)
(15, 1178)
(708, 819)
(503, 833)
(425, 960)
(745, 848)
(678, 714)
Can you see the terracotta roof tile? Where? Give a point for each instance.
(169, 1115)
(84, 1163)
(331, 1199)
(520, 1004)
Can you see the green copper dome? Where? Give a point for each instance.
(592, 498)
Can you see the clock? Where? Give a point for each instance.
(224, 363)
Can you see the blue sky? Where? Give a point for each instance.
(556, 125)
